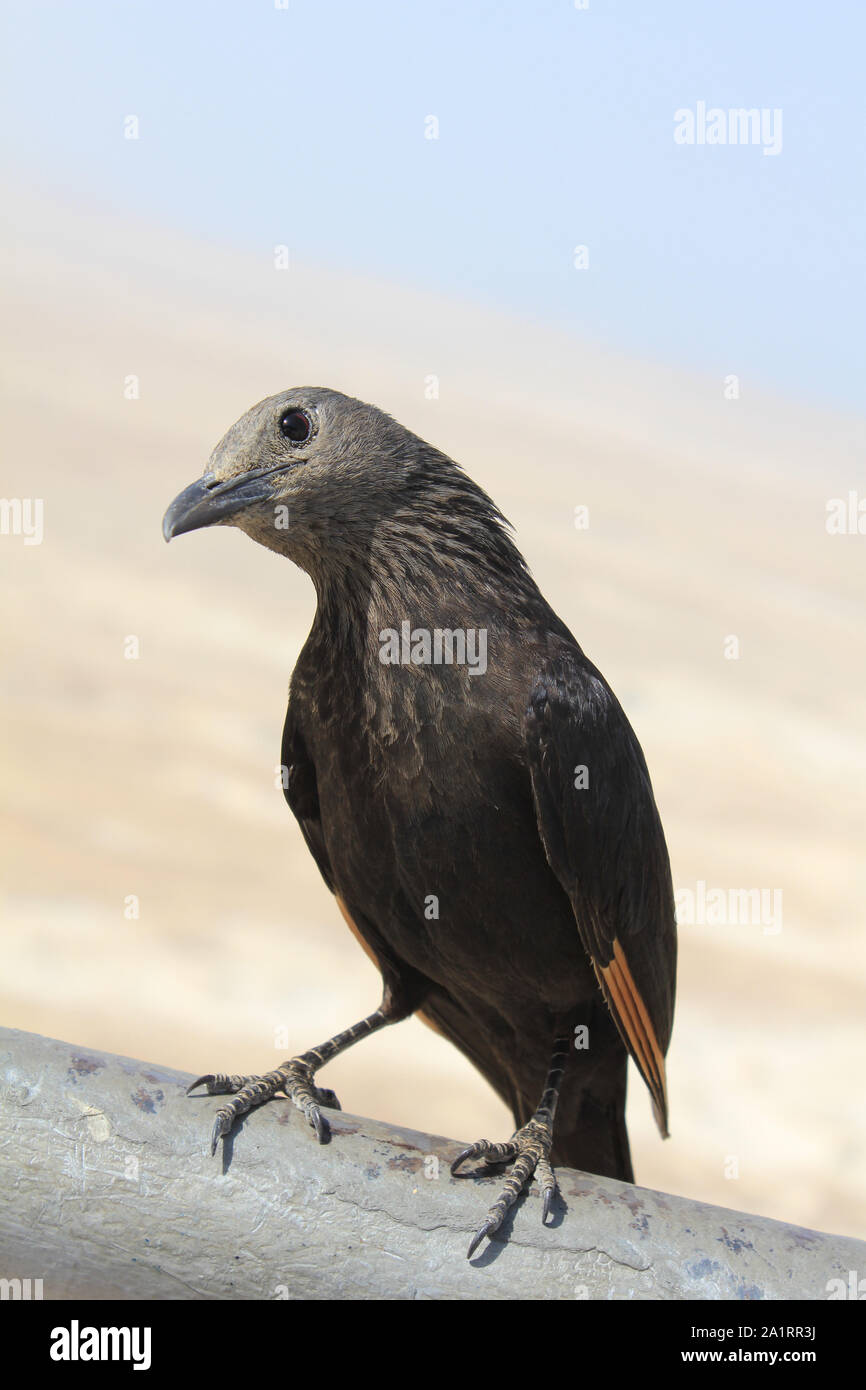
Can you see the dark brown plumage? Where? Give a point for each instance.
(491, 834)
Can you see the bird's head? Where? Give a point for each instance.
(351, 496)
(309, 473)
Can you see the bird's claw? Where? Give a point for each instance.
(294, 1078)
(219, 1083)
(222, 1125)
(529, 1151)
(492, 1154)
(546, 1179)
(487, 1229)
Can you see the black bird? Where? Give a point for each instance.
(466, 781)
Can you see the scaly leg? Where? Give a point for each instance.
(294, 1078)
(528, 1149)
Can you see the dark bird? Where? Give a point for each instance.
(466, 781)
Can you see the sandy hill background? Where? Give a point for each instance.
(155, 777)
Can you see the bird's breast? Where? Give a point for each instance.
(432, 836)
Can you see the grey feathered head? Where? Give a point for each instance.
(340, 487)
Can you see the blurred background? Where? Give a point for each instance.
(649, 351)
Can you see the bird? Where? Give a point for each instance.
(467, 783)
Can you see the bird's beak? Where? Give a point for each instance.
(202, 504)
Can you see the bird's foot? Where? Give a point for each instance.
(529, 1150)
(294, 1078)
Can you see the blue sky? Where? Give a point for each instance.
(306, 126)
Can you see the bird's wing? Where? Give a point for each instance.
(604, 841)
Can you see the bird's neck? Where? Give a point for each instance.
(419, 611)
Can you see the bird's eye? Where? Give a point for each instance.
(296, 426)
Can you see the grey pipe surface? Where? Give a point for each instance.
(108, 1189)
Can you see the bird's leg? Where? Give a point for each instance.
(294, 1078)
(528, 1149)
